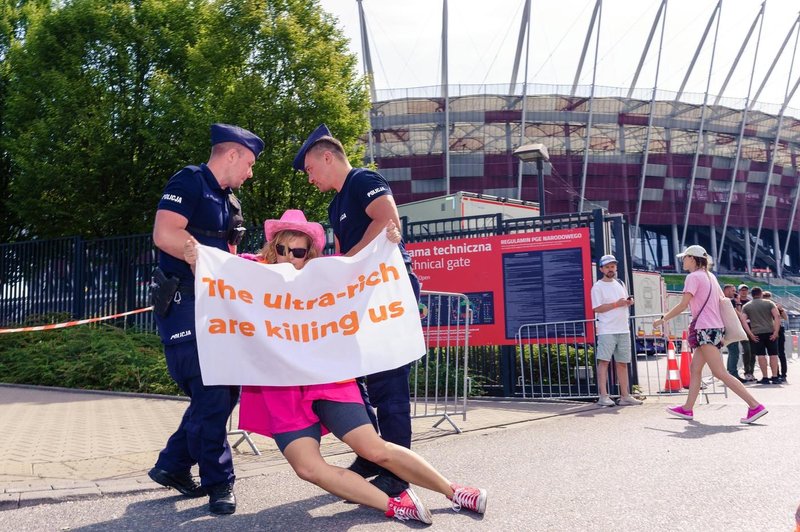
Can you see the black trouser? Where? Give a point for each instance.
(782, 350)
(202, 436)
(388, 391)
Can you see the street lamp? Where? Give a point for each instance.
(533, 152)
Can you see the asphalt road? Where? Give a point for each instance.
(631, 468)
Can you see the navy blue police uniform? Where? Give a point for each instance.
(387, 390)
(201, 437)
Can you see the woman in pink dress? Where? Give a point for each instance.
(297, 416)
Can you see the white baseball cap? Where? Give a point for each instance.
(607, 259)
(695, 251)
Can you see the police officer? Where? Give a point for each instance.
(361, 209)
(198, 203)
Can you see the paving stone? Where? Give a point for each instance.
(26, 486)
(32, 498)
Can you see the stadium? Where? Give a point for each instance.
(683, 167)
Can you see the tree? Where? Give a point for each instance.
(107, 99)
(15, 18)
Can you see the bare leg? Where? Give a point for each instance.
(696, 372)
(304, 457)
(622, 378)
(713, 358)
(762, 365)
(403, 462)
(602, 376)
(773, 364)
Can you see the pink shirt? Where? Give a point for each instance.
(699, 283)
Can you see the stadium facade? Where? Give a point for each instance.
(408, 134)
(684, 168)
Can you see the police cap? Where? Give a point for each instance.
(300, 159)
(229, 133)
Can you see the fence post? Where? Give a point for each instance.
(78, 289)
(508, 370)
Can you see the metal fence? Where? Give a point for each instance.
(440, 380)
(557, 361)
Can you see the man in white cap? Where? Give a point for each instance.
(610, 301)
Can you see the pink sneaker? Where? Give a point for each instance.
(679, 411)
(470, 498)
(754, 413)
(408, 506)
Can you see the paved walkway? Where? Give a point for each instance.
(59, 444)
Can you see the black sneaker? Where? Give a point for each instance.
(221, 499)
(389, 484)
(777, 380)
(765, 380)
(182, 481)
(363, 467)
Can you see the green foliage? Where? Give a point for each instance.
(106, 99)
(429, 376)
(556, 363)
(92, 358)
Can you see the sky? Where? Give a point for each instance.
(405, 43)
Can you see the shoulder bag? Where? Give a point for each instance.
(734, 332)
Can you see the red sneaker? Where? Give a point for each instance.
(408, 506)
(470, 498)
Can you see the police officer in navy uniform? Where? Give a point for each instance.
(198, 203)
(361, 209)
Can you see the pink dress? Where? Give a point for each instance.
(272, 410)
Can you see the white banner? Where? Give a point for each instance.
(337, 318)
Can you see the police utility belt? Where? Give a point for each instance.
(164, 290)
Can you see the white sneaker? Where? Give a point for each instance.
(606, 401)
(629, 400)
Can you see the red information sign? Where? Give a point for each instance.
(510, 280)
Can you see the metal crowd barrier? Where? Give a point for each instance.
(440, 380)
(557, 361)
(651, 356)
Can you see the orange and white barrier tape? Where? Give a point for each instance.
(73, 323)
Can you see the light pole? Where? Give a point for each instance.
(533, 152)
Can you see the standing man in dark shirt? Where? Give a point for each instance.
(361, 209)
(198, 203)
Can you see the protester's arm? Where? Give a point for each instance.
(381, 210)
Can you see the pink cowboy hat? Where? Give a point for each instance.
(295, 220)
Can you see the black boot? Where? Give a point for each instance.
(181, 481)
(363, 467)
(221, 499)
(389, 483)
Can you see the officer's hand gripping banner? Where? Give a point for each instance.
(337, 318)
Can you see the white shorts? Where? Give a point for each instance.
(618, 345)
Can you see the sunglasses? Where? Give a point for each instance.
(298, 253)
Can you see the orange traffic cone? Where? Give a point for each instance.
(686, 361)
(673, 383)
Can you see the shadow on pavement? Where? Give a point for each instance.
(162, 514)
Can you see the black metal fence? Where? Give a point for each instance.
(46, 281)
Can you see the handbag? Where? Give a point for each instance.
(692, 336)
(734, 332)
